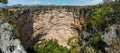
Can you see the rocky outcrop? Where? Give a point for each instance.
(57, 25)
(110, 33)
(7, 43)
(54, 24)
(112, 38)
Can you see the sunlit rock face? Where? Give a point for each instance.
(38, 25)
(56, 25)
(7, 43)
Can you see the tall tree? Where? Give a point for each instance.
(4, 1)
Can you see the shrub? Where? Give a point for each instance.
(89, 49)
(16, 33)
(73, 42)
(50, 46)
(97, 16)
(94, 40)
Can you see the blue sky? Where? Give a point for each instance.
(56, 2)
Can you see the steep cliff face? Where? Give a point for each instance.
(60, 25)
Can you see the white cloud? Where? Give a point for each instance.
(88, 2)
(93, 2)
(83, 2)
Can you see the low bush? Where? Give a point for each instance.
(50, 46)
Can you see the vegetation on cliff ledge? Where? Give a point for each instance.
(50, 46)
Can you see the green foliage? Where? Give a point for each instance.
(116, 6)
(89, 49)
(9, 16)
(73, 42)
(84, 25)
(73, 50)
(16, 33)
(4, 1)
(96, 16)
(94, 40)
(50, 46)
(108, 29)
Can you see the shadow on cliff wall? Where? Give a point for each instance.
(25, 25)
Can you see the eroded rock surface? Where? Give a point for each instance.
(112, 38)
(7, 43)
(60, 25)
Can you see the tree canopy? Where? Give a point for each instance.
(4, 1)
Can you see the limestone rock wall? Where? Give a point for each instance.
(7, 43)
(54, 24)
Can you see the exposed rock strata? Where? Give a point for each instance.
(60, 25)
